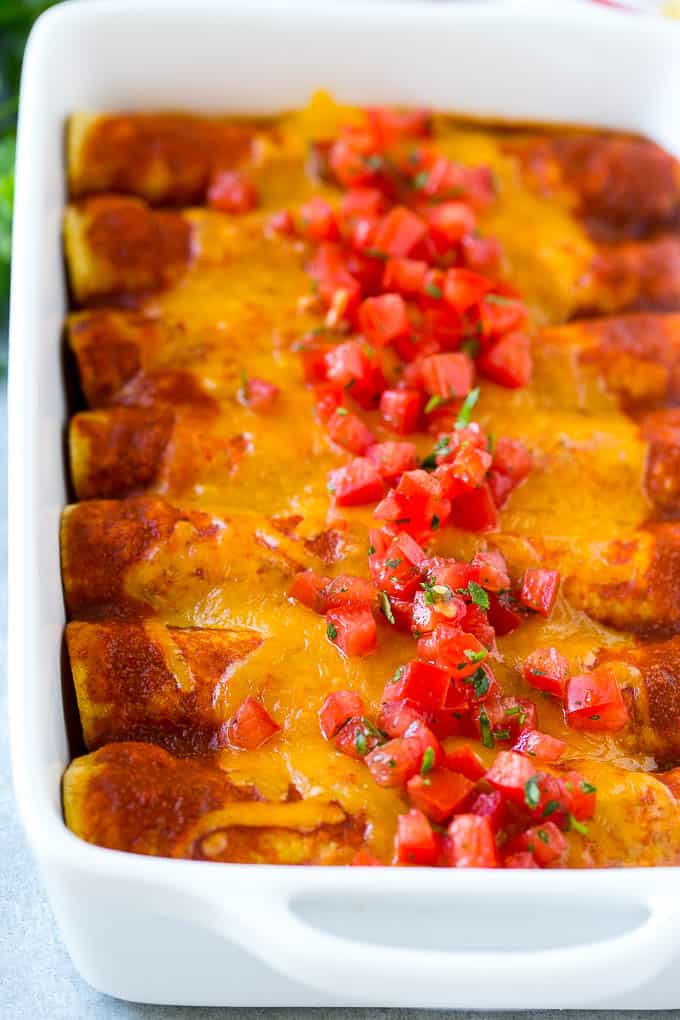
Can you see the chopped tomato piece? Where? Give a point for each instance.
(282, 222)
(392, 459)
(422, 737)
(501, 313)
(395, 762)
(389, 125)
(594, 702)
(307, 588)
(508, 361)
(449, 222)
(406, 276)
(357, 737)
(337, 709)
(448, 375)
(351, 365)
(329, 269)
(475, 510)
(449, 646)
(502, 614)
(365, 859)
(313, 358)
(420, 682)
(540, 745)
(580, 796)
(396, 717)
(547, 670)
(402, 611)
(438, 792)
(415, 842)
(230, 191)
(539, 590)
(327, 398)
(510, 774)
(259, 394)
(482, 254)
(472, 843)
(348, 159)
(492, 806)
(349, 431)
(346, 589)
(251, 725)
(383, 319)
(431, 607)
(397, 571)
(522, 859)
(416, 504)
(352, 629)
(356, 483)
(511, 464)
(399, 232)
(360, 203)
(492, 570)
(463, 288)
(475, 622)
(400, 410)
(317, 220)
(466, 761)
(544, 842)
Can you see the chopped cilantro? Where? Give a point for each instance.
(371, 550)
(501, 734)
(532, 793)
(428, 761)
(463, 419)
(498, 299)
(578, 826)
(392, 564)
(485, 729)
(433, 290)
(543, 835)
(550, 808)
(360, 742)
(420, 180)
(588, 787)
(341, 410)
(386, 606)
(470, 347)
(475, 656)
(435, 522)
(478, 595)
(435, 402)
(332, 630)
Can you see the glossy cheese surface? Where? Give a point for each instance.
(195, 511)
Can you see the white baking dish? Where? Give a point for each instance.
(201, 933)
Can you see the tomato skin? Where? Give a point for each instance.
(327, 399)
(393, 458)
(399, 232)
(422, 683)
(540, 745)
(382, 319)
(396, 569)
(449, 222)
(415, 843)
(539, 590)
(416, 504)
(510, 773)
(439, 793)
(352, 366)
(463, 289)
(406, 276)
(492, 806)
(475, 510)
(337, 709)
(230, 191)
(544, 842)
(466, 761)
(400, 410)
(447, 646)
(355, 738)
(317, 220)
(251, 725)
(307, 588)
(365, 859)
(282, 222)
(389, 125)
(426, 616)
(346, 589)
(395, 762)
(580, 796)
(482, 254)
(349, 431)
(355, 628)
(492, 570)
(594, 702)
(356, 483)
(361, 203)
(347, 159)
(502, 617)
(472, 843)
(508, 362)
(547, 670)
(521, 859)
(329, 269)
(448, 375)
(396, 717)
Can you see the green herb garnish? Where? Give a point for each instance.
(463, 419)
(532, 793)
(386, 606)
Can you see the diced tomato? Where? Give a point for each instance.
(482, 254)
(502, 616)
(346, 589)
(337, 709)
(392, 459)
(517, 714)
(594, 702)
(308, 588)
(475, 510)
(399, 232)
(492, 570)
(356, 483)
(348, 159)
(400, 410)
(349, 430)
(395, 762)
(512, 458)
(470, 466)
(402, 611)
(449, 222)
(356, 738)
(508, 361)
(472, 843)
(382, 319)
(415, 842)
(352, 629)
(492, 806)
(329, 269)
(545, 842)
(510, 774)
(420, 734)
(397, 571)
(540, 745)
(327, 398)
(580, 796)
(389, 125)
(365, 859)
(450, 573)
(431, 608)
(420, 682)
(360, 203)
(453, 649)
(463, 288)
(539, 590)
(282, 222)
(230, 191)
(396, 717)
(406, 276)
(501, 313)
(259, 394)
(251, 725)
(466, 761)
(358, 370)
(439, 792)
(475, 622)
(313, 358)
(547, 670)
(416, 505)
(448, 375)
(522, 859)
